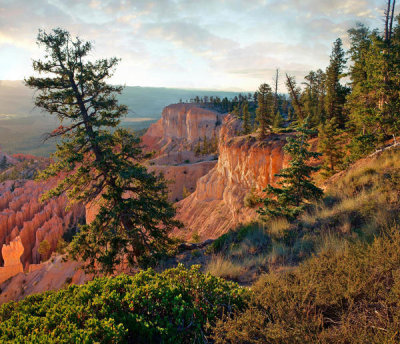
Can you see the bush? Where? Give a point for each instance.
(176, 306)
(251, 200)
(347, 296)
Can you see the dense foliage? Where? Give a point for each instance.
(101, 165)
(297, 186)
(176, 306)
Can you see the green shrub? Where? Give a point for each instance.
(251, 200)
(228, 240)
(176, 306)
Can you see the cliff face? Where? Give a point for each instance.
(180, 127)
(244, 164)
(174, 137)
(182, 177)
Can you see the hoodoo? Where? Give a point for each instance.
(244, 166)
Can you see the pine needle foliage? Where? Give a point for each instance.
(296, 185)
(264, 110)
(100, 163)
(331, 143)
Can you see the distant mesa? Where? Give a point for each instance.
(181, 127)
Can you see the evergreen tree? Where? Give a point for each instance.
(206, 147)
(236, 111)
(312, 98)
(246, 119)
(295, 93)
(297, 187)
(214, 143)
(264, 110)
(99, 164)
(335, 92)
(374, 102)
(330, 143)
(278, 120)
(197, 149)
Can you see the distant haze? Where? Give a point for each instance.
(22, 125)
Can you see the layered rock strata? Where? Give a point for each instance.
(245, 165)
(181, 126)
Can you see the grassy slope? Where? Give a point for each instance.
(358, 204)
(333, 276)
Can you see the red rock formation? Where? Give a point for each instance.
(50, 275)
(174, 137)
(22, 214)
(244, 163)
(12, 264)
(183, 176)
(180, 127)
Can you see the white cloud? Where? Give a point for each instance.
(188, 43)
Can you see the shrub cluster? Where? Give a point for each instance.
(177, 306)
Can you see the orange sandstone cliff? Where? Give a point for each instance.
(181, 126)
(244, 165)
(173, 138)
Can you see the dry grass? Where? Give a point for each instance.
(357, 206)
(277, 228)
(225, 268)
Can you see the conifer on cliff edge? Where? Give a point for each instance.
(100, 164)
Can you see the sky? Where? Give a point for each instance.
(206, 44)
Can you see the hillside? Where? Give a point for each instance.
(329, 278)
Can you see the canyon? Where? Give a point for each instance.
(209, 191)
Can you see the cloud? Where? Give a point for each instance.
(188, 43)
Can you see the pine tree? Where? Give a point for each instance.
(373, 104)
(236, 111)
(297, 187)
(335, 91)
(264, 112)
(278, 120)
(312, 98)
(214, 143)
(295, 93)
(206, 146)
(330, 143)
(246, 119)
(197, 149)
(100, 162)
